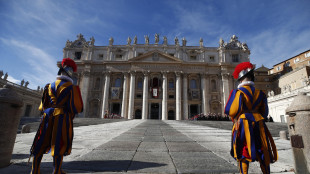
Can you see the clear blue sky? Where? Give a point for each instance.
(34, 32)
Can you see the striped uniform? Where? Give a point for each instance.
(60, 102)
(251, 139)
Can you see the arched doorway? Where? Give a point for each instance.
(171, 115)
(138, 114)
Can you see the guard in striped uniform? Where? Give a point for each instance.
(60, 102)
(247, 106)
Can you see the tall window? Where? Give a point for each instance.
(213, 85)
(100, 56)
(155, 82)
(235, 57)
(171, 84)
(212, 59)
(117, 82)
(193, 84)
(97, 83)
(139, 86)
(78, 55)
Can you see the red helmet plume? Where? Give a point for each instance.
(69, 62)
(242, 69)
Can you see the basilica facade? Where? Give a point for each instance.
(155, 80)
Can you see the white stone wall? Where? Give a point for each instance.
(278, 103)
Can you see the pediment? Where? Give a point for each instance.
(155, 56)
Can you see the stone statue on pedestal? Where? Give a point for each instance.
(128, 41)
(111, 40)
(165, 41)
(176, 41)
(156, 38)
(147, 40)
(135, 40)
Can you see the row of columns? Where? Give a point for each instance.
(127, 110)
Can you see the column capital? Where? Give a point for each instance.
(132, 73)
(178, 73)
(107, 73)
(146, 73)
(225, 75)
(86, 73)
(164, 72)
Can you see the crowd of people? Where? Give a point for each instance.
(210, 116)
(218, 117)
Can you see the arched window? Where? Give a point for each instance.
(94, 108)
(155, 82)
(213, 85)
(171, 84)
(138, 114)
(171, 115)
(97, 83)
(140, 85)
(117, 83)
(193, 84)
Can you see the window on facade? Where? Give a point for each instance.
(139, 95)
(171, 54)
(155, 82)
(171, 84)
(235, 57)
(117, 83)
(28, 110)
(139, 86)
(78, 55)
(308, 62)
(279, 68)
(267, 86)
(307, 54)
(193, 84)
(213, 85)
(97, 83)
(118, 56)
(140, 54)
(266, 79)
(211, 58)
(100, 56)
(171, 96)
(192, 57)
(296, 60)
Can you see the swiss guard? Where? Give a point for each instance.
(247, 107)
(60, 102)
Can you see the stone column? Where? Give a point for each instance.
(225, 89)
(178, 96)
(125, 96)
(145, 95)
(185, 97)
(207, 89)
(106, 91)
(164, 115)
(131, 95)
(84, 91)
(203, 93)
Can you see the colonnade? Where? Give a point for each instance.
(181, 94)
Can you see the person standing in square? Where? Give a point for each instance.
(248, 109)
(60, 103)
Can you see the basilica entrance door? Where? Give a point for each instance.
(154, 111)
(193, 110)
(116, 107)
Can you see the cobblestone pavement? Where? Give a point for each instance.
(146, 146)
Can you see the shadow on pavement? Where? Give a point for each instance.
(108, 166)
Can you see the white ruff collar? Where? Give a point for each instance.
(246, 83)
(62, 77)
